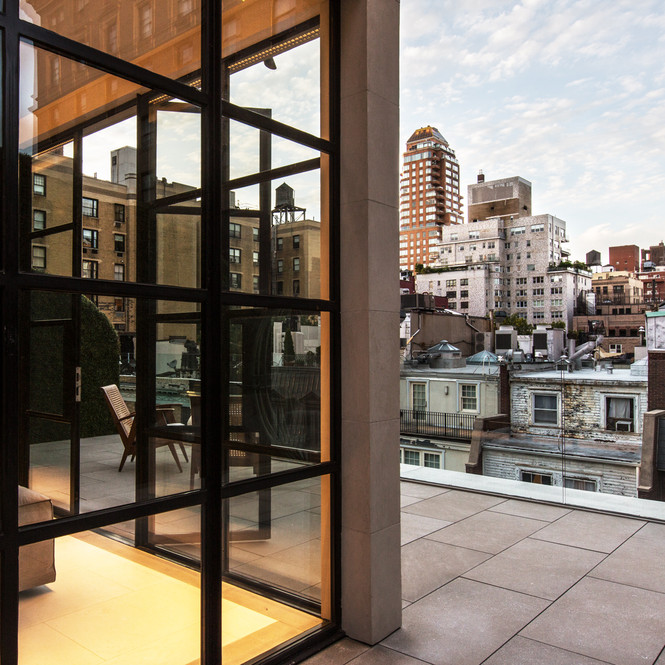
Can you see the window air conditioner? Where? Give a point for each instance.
(624, 426)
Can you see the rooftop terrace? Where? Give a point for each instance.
(502, 581)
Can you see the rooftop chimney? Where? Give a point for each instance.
(481, 176)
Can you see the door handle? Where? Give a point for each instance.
(77, 385)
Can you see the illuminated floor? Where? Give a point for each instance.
(116, 605)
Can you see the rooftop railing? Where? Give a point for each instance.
(435, 423)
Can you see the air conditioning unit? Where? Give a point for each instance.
(624, 426)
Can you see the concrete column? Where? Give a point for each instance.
(371, 589)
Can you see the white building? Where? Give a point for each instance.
(508, 265)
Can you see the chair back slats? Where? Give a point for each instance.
(118, 407)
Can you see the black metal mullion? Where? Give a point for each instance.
(214, 372)
(276, 173)
(11, 418)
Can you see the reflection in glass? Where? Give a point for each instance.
(179, 247)
(164, 37)
(275, 392)
(260, 75)
(279, 538)
(279, 251)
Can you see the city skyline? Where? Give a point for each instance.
(568, 94)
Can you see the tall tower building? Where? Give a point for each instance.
(429, 196)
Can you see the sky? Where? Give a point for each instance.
(569, 94)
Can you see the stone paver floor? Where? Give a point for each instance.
(498, 581)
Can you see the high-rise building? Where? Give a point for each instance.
(429, 196)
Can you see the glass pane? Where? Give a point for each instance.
(46, 185)
(57, 94)
(49, 449)
(275, 403)
(175, 439)
(92, 599)
(261, 71)
(179, 247)
(293, 244)
(276, 539)
(164, 37)
(178, 147)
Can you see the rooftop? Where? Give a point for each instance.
(500, 581)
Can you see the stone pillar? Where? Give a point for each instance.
(371, 589)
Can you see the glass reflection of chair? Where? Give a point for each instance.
(235, 457)
(125, 423)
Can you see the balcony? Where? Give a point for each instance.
(499, 581)
(433, 423)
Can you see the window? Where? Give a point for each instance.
(580, 484)
(255, 258)
(235, 280)
(296, 264)
(280, 244)
(464, 282)
(39, 184)
(119, 242)
(90, 207)
(38, 220)
(411, 457)
(296, 287)
(296, 242)
(530, 267)
(234, 230)
(38, 257)
(619, 414)
(255, 233)
(90, 269)
(90, 238)
(118, 212)
(280, 265)
(280, 288)
(469, 397)
(419, 396)
(255, 283)
(545, 409)
(537, 478)
(119, 272)
(538, 280)
(451, 282)
(432, 460)
(234, 255)
(119, 304)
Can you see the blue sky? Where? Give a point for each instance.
(569, 94)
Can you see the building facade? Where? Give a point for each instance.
(625, 258)
(177, 531)
(506, 198)
(429, 196)
(578, 430)
(514, 266)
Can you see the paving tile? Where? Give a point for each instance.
(536, 511)
(487, 531)
(611, 622)
(592, 531)
(421, 491)
(427, 565)
(652, 531)
(380, 655)
(520, 651)
(405, 500)
(339, 653)
(638, 562)
(453, 505)
(462, 623)
(416, 526)
(537, 567)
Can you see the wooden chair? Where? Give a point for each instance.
(125, 423)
